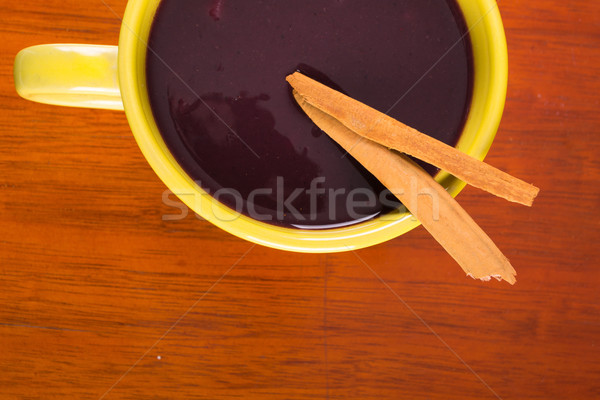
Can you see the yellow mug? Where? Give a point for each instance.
(112, 77)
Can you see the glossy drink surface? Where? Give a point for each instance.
(216, 79)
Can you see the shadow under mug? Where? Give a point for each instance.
(111, 77)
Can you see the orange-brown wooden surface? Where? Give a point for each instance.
(102, 299)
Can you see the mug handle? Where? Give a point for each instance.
(72, 75)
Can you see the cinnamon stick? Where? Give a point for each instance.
(380, 128)
(426, 199)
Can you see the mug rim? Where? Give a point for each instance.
(488, 43)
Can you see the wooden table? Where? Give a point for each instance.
(102, 299)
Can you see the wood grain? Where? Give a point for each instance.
(102, 298)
